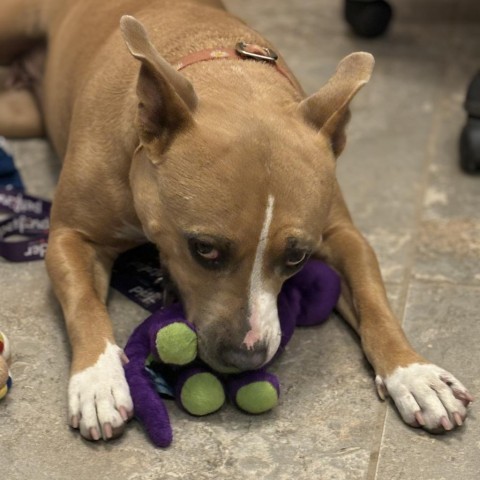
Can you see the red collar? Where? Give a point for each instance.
(242, 51)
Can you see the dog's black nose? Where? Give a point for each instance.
(244, 359)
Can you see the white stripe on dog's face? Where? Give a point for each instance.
(264, 323)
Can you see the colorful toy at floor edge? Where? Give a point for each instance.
(5, 378)
(164, 349)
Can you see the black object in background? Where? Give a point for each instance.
(470, 136)
(368, 18)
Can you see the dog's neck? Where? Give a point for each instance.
(242, 51)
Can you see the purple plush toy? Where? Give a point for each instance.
(166, 343)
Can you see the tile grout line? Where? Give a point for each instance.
(446, 282)
(426, 176)
(420, 207)
(404, 285)
(372, 471)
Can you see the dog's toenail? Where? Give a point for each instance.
(458, 419)
(446, 424)
(124, 414)
(107, 431)
(419, 418)
(74, 421)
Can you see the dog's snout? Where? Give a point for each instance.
(245, 359)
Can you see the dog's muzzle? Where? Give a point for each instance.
(242, 358)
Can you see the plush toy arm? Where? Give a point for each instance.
(149, 407)
(320, 289)
(307, 298)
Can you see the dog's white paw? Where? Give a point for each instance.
(426, 396)
(99, 401)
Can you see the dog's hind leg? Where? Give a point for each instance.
(20, 92)
(19, 114)
(22, 26)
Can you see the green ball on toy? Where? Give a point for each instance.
(176, 343)
(201, 393)
(254, 391)
(257, 397)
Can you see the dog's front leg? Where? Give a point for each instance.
(424, 394)
(98, 396)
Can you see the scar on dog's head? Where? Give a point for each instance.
(236, 197)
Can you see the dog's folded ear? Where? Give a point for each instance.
(328, 109)
(166, 98)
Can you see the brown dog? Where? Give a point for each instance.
(226, 167)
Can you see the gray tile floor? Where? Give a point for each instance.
(422, 215)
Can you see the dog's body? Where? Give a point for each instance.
(227, 167)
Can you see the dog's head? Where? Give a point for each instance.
(235, 198)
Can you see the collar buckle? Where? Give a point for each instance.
(251, 50)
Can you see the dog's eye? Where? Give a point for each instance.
(207, 251)
(295, 258)
(206, 254)
(210, 252)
